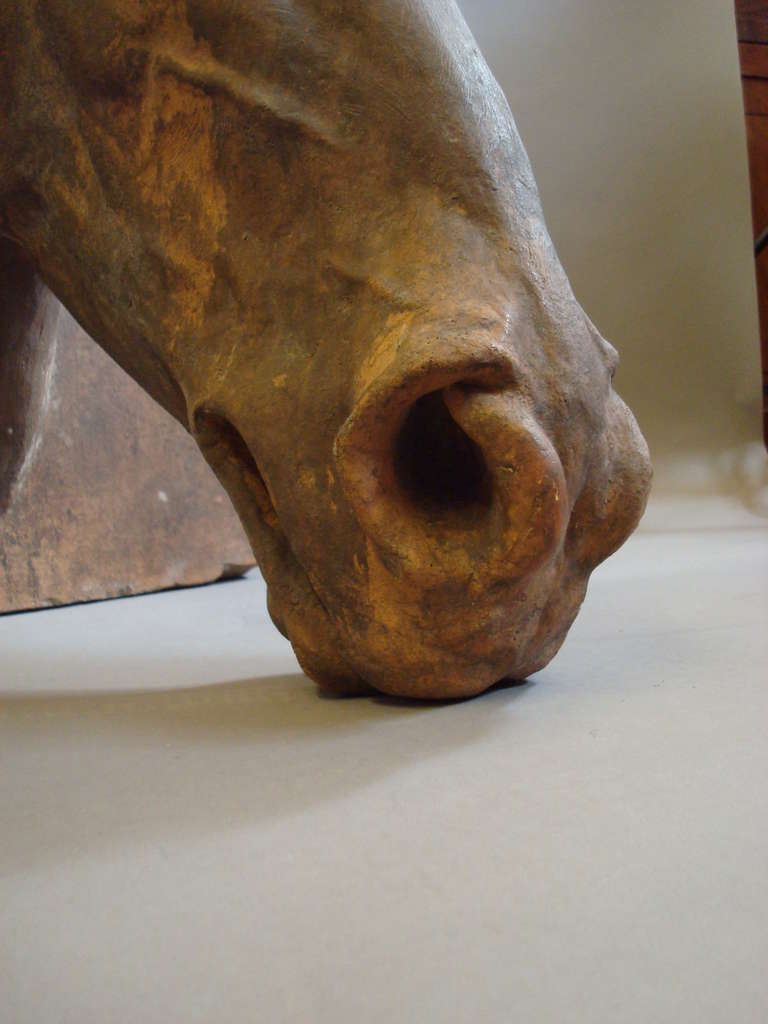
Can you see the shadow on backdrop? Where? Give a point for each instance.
(102, 770)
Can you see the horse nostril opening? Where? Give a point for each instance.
(230, 458)
(437, 465)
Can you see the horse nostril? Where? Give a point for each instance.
(233, 463)
(440, 469)
(453, 482)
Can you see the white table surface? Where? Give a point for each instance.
(189, 833)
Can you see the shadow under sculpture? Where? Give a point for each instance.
(311, 232)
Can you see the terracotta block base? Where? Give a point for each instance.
(116, 499)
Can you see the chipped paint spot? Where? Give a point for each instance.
(162, 497)
(46, 395)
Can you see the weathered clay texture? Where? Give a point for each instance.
(310, 230)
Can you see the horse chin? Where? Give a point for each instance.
(299, 614)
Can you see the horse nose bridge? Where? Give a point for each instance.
(557, 313)
(448, 473)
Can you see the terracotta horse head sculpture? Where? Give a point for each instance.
(310, 230)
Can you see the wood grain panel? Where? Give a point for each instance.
(754, 60)
(752, 25)
(755, 96)
(752, 20)
(757, 139)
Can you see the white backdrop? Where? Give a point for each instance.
(632, 115)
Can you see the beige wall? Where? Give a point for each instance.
(631, 113)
